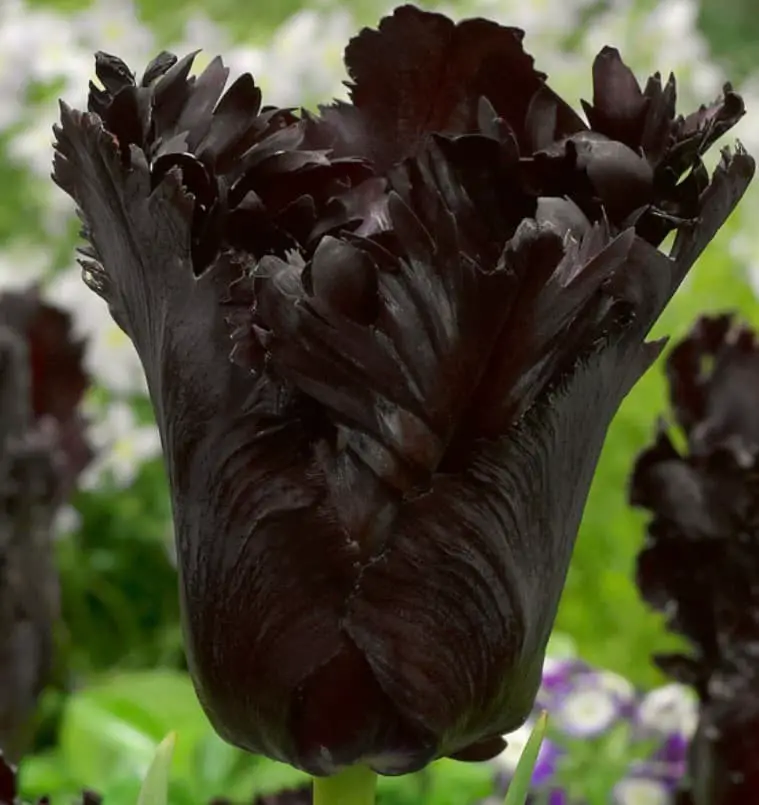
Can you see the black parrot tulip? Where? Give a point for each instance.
(700, 565)
(42, 450)
(435, 298)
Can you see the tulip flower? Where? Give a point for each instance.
(700, 564)
(434, 299)
(42, 450)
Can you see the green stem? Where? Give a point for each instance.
(352, 786)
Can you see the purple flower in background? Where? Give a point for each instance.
(593, 704)
(556, 680)
(668, 710)
(587, 704)
(436, 297)
(700, 565)
(584, 702)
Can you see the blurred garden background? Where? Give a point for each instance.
(119, 684)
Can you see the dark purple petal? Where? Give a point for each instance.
(420, 73)
(713, 376)
(619, 106)
(7, 782)
(697, 132)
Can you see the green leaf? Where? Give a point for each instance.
(451, 782)
(110, 730)
(98, 746)
(155, 788)
(519, 787)
(45, 772)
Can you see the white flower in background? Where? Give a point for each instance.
(36, 45)
(641, 791)
(111, 357)
(53, 52)
(666, 38)
(587, 712)
(43, 47)
(67, 521)
(668, 710)
(113, 26)
(516, 742)
(62, 48)
(121, 445)
(747, 131)
(744, 245)
(753, 273)
(594, 702)
(204, 34)
(744, 249)
(548, 24)
(672, 29)
(246, 59)
(539, 17)
(21, 265)
(619, 687)
(303, 63)
(13, 49)
(546, 762)
(32, 147)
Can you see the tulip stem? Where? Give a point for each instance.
(352, 786)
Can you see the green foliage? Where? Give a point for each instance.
(592, 767)
(155, 787)
(733, 32)
(119, 597)
(110, 732)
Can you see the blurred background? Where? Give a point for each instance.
(119, 684)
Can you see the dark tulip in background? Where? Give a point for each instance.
(384, 343)
(42, 450)
(700, 564)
